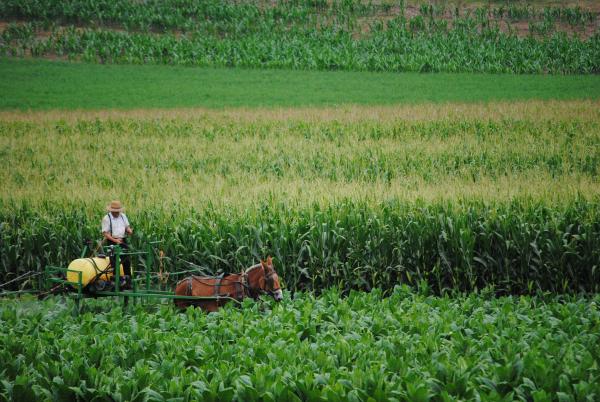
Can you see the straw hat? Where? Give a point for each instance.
(115, 206)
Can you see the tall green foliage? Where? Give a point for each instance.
(516, 247)
(462, 202)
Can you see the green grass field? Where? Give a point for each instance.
(42, 85)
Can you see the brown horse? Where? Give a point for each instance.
(252, 282)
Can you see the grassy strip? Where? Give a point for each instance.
(43, 85)
(406, 347)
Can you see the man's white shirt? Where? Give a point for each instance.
(119, 224)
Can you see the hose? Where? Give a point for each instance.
(26, 275)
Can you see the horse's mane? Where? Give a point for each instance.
(252, 268)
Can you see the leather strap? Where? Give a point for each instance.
(189, 287)
(218, 286)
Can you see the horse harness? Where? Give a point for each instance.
(238, 294)
(242, 287)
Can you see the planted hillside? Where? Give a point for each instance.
(241, 17)
(347, 35)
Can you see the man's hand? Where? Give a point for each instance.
(108, 237)
(129, 230)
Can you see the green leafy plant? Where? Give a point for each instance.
(407, 346)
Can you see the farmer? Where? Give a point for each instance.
(115, 228)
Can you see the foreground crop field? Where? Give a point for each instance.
(458, 196)
(406, 347)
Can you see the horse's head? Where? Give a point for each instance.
(271, 281)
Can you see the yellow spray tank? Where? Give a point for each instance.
(90, 268)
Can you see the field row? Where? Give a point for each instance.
(462, 197)
(462, 48)
(41, 84)
(229, 157)
(513, 247)
(338, 35)
(407, 347)
(241, 18)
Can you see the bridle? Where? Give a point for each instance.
(269, 278)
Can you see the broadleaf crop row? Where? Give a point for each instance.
(405, 347)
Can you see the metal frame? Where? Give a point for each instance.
(52, 275)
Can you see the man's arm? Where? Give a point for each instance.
(107, 236)
(128, 228)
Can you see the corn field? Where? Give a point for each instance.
(539, 149)
(441, 251)
(346, 35)
(455, 198)
(516, 247)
